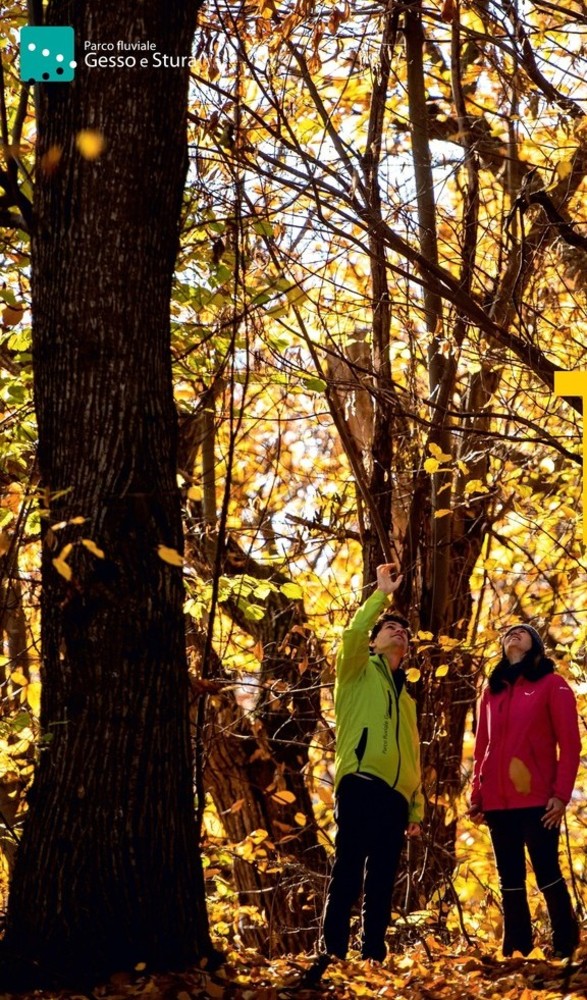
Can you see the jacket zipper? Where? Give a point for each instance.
(399, 753)
(391, 684)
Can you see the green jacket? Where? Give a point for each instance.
(376, 730)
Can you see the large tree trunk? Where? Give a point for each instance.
(108, 874)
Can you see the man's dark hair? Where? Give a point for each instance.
(389, 616)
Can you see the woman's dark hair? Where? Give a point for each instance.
(533, 665)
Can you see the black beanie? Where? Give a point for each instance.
(537, 643)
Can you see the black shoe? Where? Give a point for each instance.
(564, 923)
(314, 973)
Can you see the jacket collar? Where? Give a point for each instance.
(532, 666)
(396, 677)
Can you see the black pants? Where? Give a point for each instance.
(513, 830)
(371, 818)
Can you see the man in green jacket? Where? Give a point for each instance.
(378, 795)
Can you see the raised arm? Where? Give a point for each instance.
(353, 654)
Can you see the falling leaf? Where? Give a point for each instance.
(170, 556)
(92, 547)
(195, 493)
(442, 512)
(431, 465)
(50, 160)
(301, 819)
(442, 670)
(63, 568)
(413, 674)
(90, 143)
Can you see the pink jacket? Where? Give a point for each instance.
(519, 729)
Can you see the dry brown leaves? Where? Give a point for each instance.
(443, 974)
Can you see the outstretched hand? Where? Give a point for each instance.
(384, 577)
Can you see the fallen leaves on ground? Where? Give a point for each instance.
(420, 973)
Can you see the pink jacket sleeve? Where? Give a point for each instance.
(481, 741)
(563, 711)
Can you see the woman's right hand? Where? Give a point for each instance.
(475, 814)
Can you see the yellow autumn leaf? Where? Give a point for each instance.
(442, 670)
(63, 568)
(17, 677)
(170, 556)
(51, 159)
(438, 453)
(475, 486)
(92, 547)
(33, 696)
(431, 465)
(65, 551)
(442, 512)
(284, 796)
(90, 143)
(447, 642)
(78, 520)
(413, 675)
(425, 635)
(12, 315)
(195, 493)
(300, 819)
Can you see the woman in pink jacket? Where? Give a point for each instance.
(526, 760)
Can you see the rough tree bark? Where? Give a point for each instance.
(108, 873)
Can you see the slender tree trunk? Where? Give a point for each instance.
(256, 761)
(108, 874)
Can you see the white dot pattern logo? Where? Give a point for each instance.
(47, 54)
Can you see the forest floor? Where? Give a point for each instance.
(429, 972)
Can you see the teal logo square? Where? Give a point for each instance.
(47, 55)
